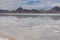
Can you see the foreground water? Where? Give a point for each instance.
(36, 28)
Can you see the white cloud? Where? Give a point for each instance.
(42, 4)
(13, 4)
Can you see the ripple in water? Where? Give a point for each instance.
(39, 28)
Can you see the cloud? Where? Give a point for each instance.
(45, 4)
(28, 4)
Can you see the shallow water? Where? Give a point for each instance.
(30, 28)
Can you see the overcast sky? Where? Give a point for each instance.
(28, 4)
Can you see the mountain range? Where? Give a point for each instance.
(55, 9)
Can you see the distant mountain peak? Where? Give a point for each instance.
(56, 8)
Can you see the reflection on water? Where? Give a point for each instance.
(30, 28)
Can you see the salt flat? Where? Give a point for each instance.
(23, 26)
(5, 37)
(29, 28)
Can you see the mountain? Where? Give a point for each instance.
(21, 10)
(3, 11)
(55, 9)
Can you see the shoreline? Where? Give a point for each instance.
(38, 14)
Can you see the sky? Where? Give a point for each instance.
(28, 4)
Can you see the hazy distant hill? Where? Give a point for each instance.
(4, 11)
(21, 10)
(55, 9)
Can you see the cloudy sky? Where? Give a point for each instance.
(28, 4)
